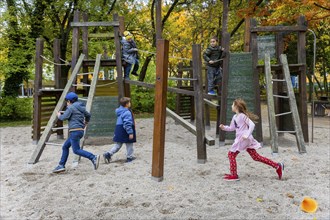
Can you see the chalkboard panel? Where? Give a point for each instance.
(103, 120)
(240, 84)
(266, 44)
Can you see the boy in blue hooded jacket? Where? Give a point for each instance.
(77, 117)
(124, 131)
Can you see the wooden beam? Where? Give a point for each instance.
(110, 35)
(109, 62)
(59, 106)
(160, 109)
(139, 83)
(292, 67)
(293, 106)
(271, 106)
(278, 29)
(169, 89)
(199, 103)
(208, 102)
(181, 91)
(184, 123)
(95, 24)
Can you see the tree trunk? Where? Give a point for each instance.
(144, 68)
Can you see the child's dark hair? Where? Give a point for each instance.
(124, 101)
(241, 107)
(214, 38)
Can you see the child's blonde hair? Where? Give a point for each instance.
(241, 107)
(124, 101)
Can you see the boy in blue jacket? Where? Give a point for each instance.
(124, 131)
(77, 117)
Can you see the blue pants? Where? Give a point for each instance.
(74, 141)
(128, 67)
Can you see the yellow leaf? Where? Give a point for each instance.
(260, 200)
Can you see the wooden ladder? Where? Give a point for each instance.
(292, 103)
(61, 103)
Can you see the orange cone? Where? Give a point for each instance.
(309, 205)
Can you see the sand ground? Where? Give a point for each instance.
(189, 190)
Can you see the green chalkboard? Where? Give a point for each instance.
(103, 120)
(240, 84)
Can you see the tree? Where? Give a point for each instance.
(19, 50)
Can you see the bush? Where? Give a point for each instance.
(143, 100)
(16, 108)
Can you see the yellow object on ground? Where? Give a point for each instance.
(309, 205)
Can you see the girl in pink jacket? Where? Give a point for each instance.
(243, 123)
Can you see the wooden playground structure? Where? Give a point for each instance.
(45, 101)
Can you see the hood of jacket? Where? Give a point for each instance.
(120, 110)
(80, 106)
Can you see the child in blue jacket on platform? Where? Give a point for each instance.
(124, 131)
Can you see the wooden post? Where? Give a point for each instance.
(159, 25)
(37, 85)
(257, 108)
(207, 108)
(75, 41)
(85, 51)
(57, 68)
(247, 34)
(199, 102)
(207, 116)
(160, 109)
(223, 106)
(224, 21)
(119, 65)
(192, 107)
(217, 129)
(302, 78)
(57, 72)
(121, 25)
(178, 95)
(127, 90)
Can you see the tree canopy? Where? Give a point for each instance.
(184, 22)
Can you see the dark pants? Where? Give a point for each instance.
(214, 77)
(74, 141)
(128, 67)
